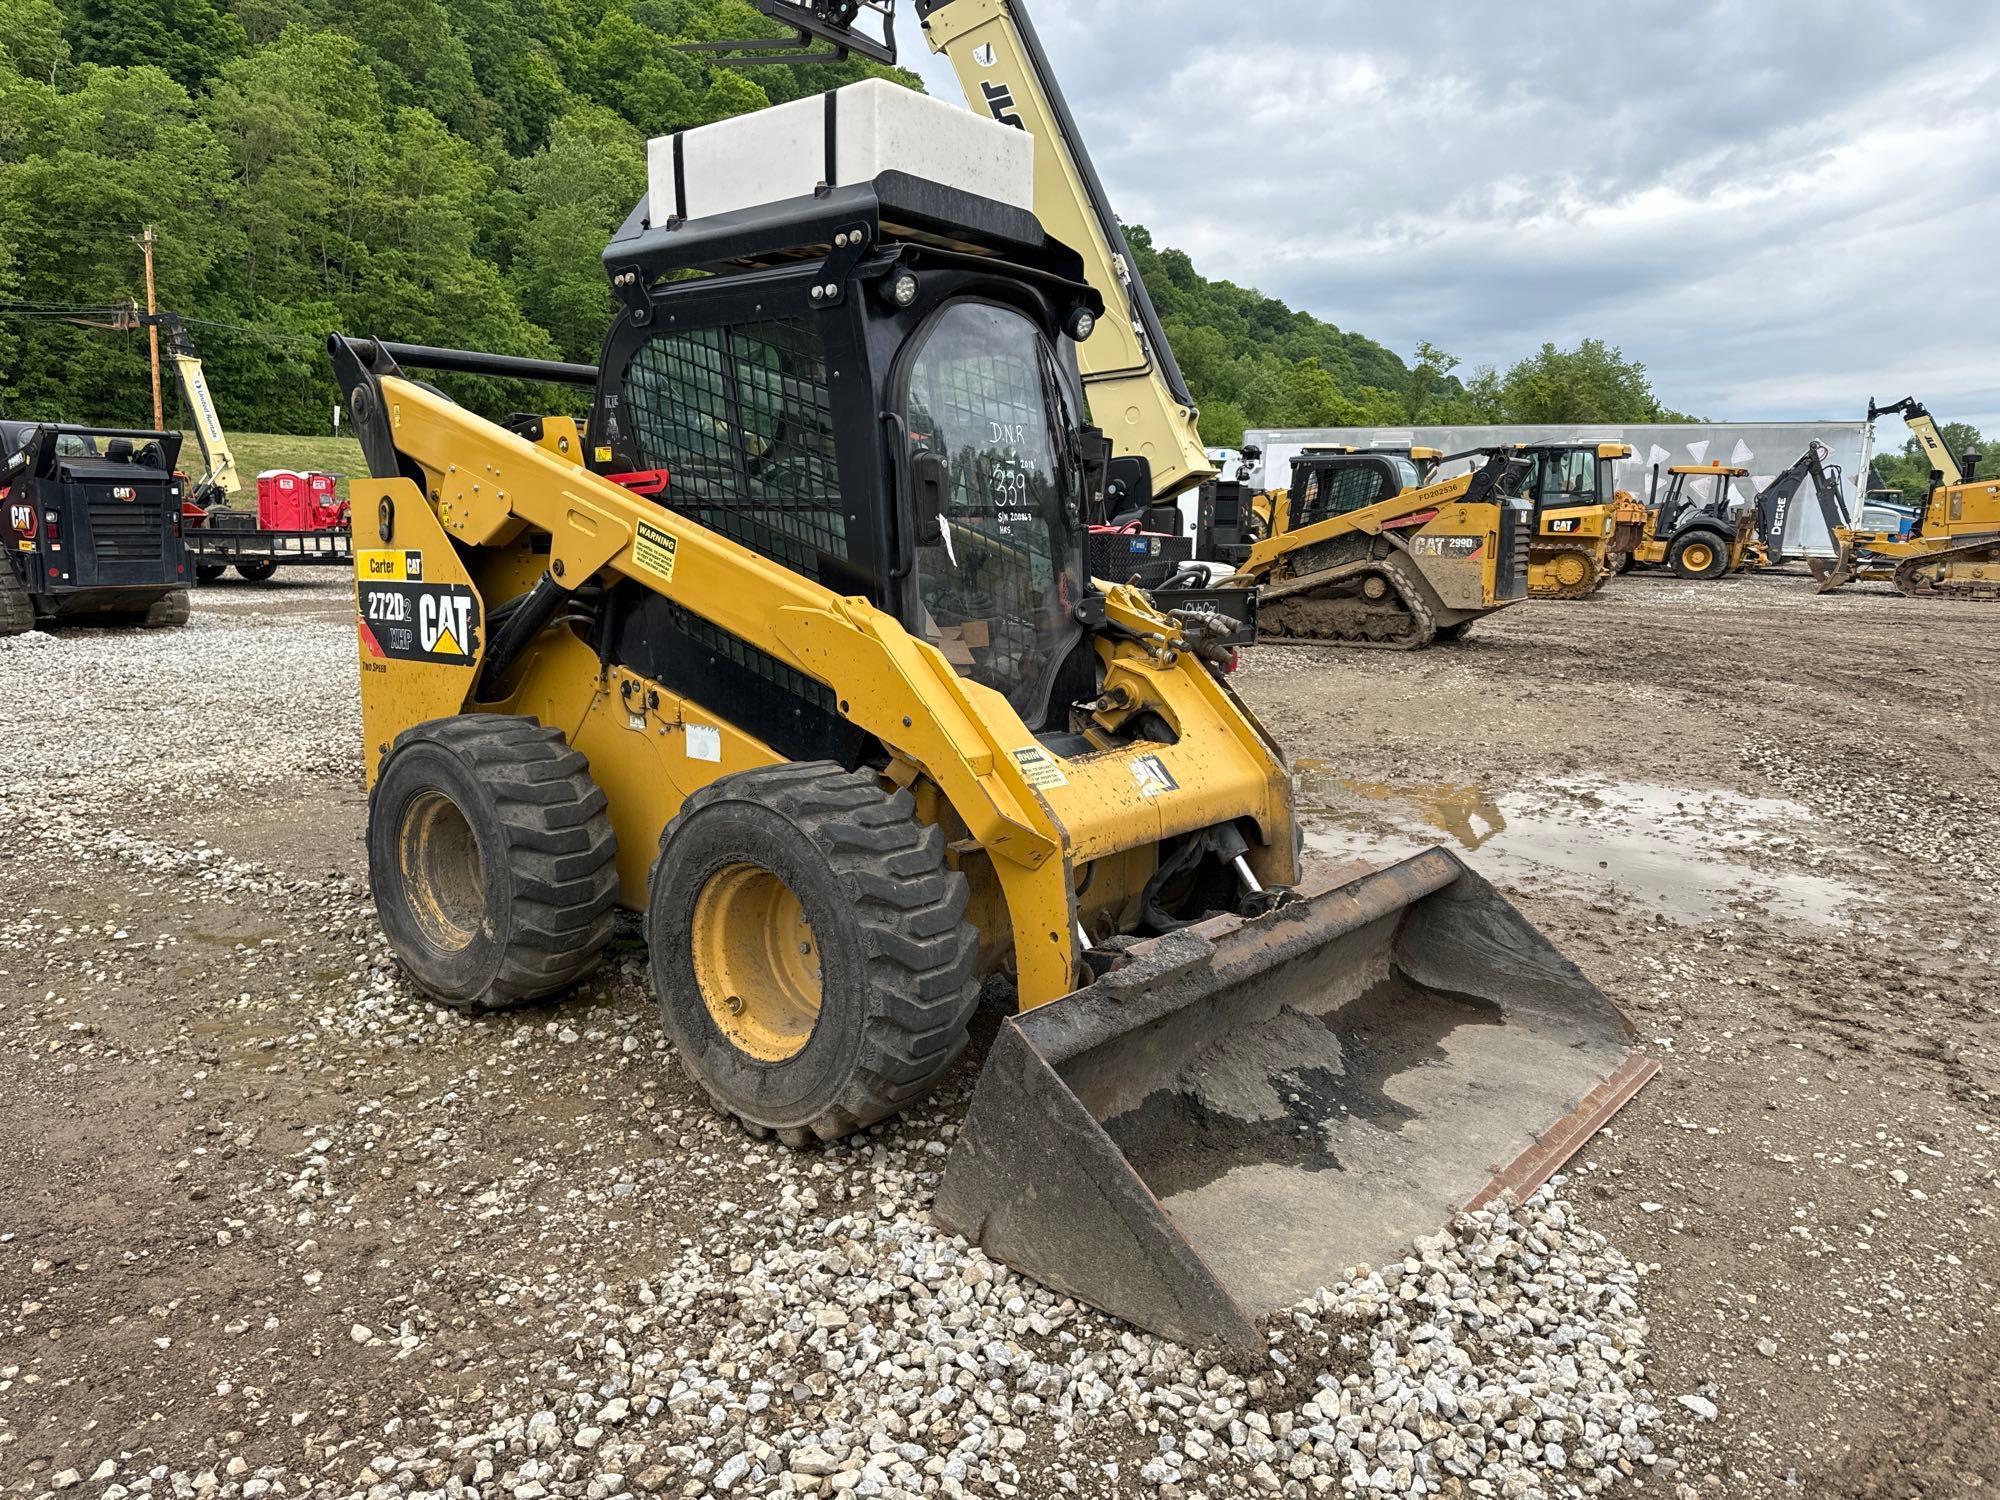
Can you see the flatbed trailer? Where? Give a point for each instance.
(225, 540)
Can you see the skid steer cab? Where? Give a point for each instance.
(790, 645)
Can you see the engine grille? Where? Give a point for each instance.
(128, 530)
(1516, 536)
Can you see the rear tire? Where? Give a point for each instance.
(17, 610)
(167, 611)
(492, 860)
(1699, 557)
(209, 572)
(256, 572)
(810, 949)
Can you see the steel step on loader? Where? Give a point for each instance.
(791, 646)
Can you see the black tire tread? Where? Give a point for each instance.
(911, 908)
(17, 610)
(559, 848)
(168, 611)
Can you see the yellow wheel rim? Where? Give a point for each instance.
(439, 861)
(1572, 570)
(1698, 557)
(757, 962)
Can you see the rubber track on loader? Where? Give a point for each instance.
(17, 610)
(1313, 615)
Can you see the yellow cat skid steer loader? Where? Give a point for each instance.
(797, 655)
(1366, 555)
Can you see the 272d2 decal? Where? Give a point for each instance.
(436, 622)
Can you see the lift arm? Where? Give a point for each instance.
(1137, 394)
(220, 477)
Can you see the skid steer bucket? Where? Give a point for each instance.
(1250, 1108)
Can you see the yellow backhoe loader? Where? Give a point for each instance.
(1698, 529)
(791, 648)
(1954, 551)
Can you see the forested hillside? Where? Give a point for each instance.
(448, 171)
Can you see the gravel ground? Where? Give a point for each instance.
(272, 1225)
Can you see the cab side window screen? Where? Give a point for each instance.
(741, 417)
(1335, 492)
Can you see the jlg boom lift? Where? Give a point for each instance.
(797, 656)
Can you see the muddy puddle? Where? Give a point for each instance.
(1688, 853)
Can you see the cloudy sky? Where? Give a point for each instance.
(1781, 207)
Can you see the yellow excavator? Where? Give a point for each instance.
(791, 648)
(1954, 551)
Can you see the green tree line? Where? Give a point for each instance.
(448, 171)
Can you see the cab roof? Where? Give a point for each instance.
(1733, 473)
(1575, 445)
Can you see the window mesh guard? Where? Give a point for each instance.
(743, 419)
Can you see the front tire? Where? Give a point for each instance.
(256, 572)
(209, 572)
(492, 860)
(809, 949)
(1699, 557)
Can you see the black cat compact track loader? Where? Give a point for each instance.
(91, 522)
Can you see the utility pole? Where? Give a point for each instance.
(153, 330)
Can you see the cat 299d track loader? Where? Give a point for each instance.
(1365, 552)
(792, 649)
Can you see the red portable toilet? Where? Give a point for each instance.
(324, 510)
(281, 501)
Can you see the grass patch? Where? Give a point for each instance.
(257, 451)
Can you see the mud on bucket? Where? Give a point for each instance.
(1250, 1108)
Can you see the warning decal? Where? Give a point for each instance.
(1154, 778)
(1040, 768)
(654, 550)
(420, 622)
